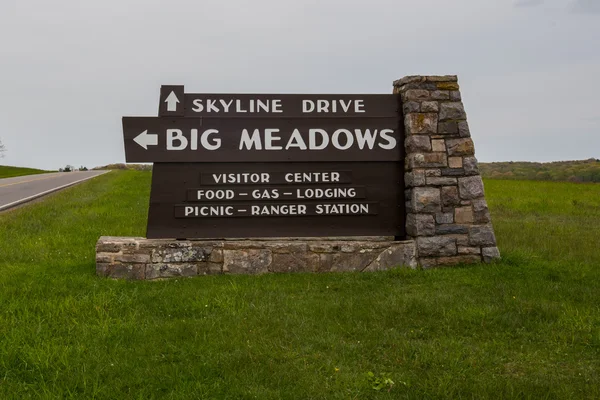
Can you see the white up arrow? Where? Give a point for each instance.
(145, 139)
(172, 101)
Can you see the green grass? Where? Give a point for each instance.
(525, 328)
(10, 172)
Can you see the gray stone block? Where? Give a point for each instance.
(432, 172)
(417, 86)
(442, 78)
(452, 111)
(416, 95)
(448, 128)
(441, 181)
(470, 187)
(460, 147)
(455, 162)
(430, 106)
(427, 160)
(414, 178)
(490, 254)
(122, 271)
(451, 229)
(463, 129)
(481, 213)
(453, 172)
(409, 79)
(295, 262)
(411, 107)
(345, 262)
(444, 218)
(181, 254)
(417, 143)
(469, 250)
(421, 123)
(482, 235)
(135, 258)
(402, 254)
(436, 246)
(420, 225)
(470, 166)
(250, 261)
(449, 196)
(464, 215)
(425, 199)
(440, 95)
(171, 270)
(455, 95)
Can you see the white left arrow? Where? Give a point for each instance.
(146, 139)
(172, 101)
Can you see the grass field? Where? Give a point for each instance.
(526, 328)
(10, 172)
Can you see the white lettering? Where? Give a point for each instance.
(249, 142)
(322, 106)
(269, 138)
(210, 106)
(391, 141)
(173, 135)
(279, 209)
(198, 106)
(359, 106)
(365, 137)
(262, 106)
(296, 141)
(194, 139)
(336, 139)
(308, 106)
(345, 107)
(226, 105)
(312, 139)
(216, 143)
(238, 106)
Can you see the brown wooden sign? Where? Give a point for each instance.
(173, 102)
(268, 165)
(152, 139)
(370, 204)
(247, 193)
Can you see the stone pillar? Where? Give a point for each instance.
(447, 214)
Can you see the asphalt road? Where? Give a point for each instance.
(19, 190)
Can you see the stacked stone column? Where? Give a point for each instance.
(447, 214)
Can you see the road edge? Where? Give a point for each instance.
(47, 192)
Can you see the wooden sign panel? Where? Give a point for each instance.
(367, 199)
(272, 165)
(151, 139)
(173, 102)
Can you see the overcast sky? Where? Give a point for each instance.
(529, 69)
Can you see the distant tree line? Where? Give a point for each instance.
(70, 168)
(571, 171)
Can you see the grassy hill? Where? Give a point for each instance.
(571, 171)
(527, 327)
(121, 166)
(9, 172)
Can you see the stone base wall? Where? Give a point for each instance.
(140, 258)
